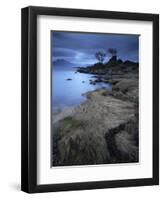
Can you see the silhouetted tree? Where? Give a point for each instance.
(112, 51)
(100, 56)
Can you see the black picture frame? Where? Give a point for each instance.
(29, 99)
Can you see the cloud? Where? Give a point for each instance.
(81, 47)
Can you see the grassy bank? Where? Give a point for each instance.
(103, 129)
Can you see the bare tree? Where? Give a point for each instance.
(112, 51)
(100, 56)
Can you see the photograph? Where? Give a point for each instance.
(94, 98)
(89, 99)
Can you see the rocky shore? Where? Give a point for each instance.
(112, 67)
(103, 129)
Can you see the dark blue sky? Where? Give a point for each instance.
(80, 48)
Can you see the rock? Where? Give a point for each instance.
(98, 80)
(119, 61)
(129, 63)
(113, 81)
(92, 82)
(113, 59)
(126, 89)
(115, 66)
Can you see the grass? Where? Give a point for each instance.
(67, 125)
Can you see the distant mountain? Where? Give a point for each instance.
(62, 63)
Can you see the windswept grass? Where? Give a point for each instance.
(67, 124)
(76, 145)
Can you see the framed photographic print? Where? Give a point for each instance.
(90, 99)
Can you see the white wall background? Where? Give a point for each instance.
(10, 79)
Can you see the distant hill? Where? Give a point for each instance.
(62, 64)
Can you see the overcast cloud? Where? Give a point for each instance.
(80, 48)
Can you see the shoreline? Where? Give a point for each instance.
(97, 130)
(116, 80)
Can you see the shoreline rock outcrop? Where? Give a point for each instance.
(113, 67)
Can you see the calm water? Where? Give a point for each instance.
(70, 92)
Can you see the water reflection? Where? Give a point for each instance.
(67, 92)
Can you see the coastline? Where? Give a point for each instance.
(102, 129)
